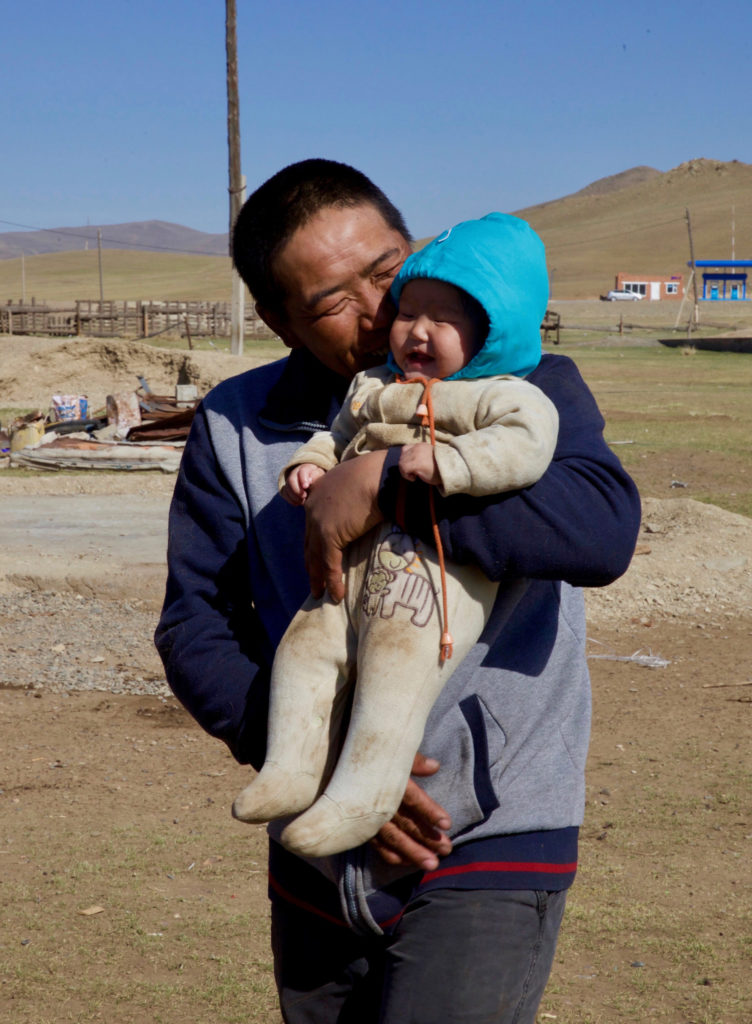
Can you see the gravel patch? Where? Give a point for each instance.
(87, 644)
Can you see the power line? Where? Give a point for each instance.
(114, 241)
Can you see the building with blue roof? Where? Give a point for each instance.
(725, 280)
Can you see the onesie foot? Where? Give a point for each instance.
(275, 793)
(326, 828)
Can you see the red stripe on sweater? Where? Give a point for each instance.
(492, 865)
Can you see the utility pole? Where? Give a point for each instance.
(99, 252)
(237, 181)
(695, 318)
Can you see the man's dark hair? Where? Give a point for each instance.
(287, 201)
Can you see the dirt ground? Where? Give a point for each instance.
(127, 891)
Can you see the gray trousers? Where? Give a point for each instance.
(470, 956)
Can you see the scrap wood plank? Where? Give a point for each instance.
(100, 455)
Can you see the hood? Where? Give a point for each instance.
(501, 262)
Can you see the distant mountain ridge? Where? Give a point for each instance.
(145, 236)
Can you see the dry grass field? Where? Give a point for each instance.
(128, 893)
(67, 276)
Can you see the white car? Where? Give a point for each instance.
(615, 295)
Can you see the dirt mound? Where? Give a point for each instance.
(32, 371)
(692, 561)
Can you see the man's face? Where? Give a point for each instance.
(433, 334)
(336, 271)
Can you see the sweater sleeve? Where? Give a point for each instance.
(511, 445)
(578, 523)
(208, 636)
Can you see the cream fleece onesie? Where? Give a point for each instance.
(379, 648)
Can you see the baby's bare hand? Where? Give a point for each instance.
(299, 481)
(418, 462)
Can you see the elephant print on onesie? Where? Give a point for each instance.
(398, 575)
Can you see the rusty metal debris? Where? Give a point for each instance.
(136, 430)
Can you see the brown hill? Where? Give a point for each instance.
(641, 227)
(614, 182)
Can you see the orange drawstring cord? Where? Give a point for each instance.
(425, 410)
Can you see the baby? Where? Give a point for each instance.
(353, 683)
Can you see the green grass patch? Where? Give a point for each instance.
(676, 419)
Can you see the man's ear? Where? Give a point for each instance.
(279, 325)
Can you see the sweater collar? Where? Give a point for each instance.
(307, 395)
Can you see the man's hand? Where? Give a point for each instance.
(418, 462)
(339, 509)
(416, 835)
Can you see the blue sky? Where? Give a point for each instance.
(116, 111)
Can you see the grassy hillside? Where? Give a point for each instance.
(633, 221)
(65, 276)
(642, 228)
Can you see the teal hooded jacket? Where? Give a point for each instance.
(501, 262)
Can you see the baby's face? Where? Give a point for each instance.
(433, 334)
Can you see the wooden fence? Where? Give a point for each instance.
(128, 318)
